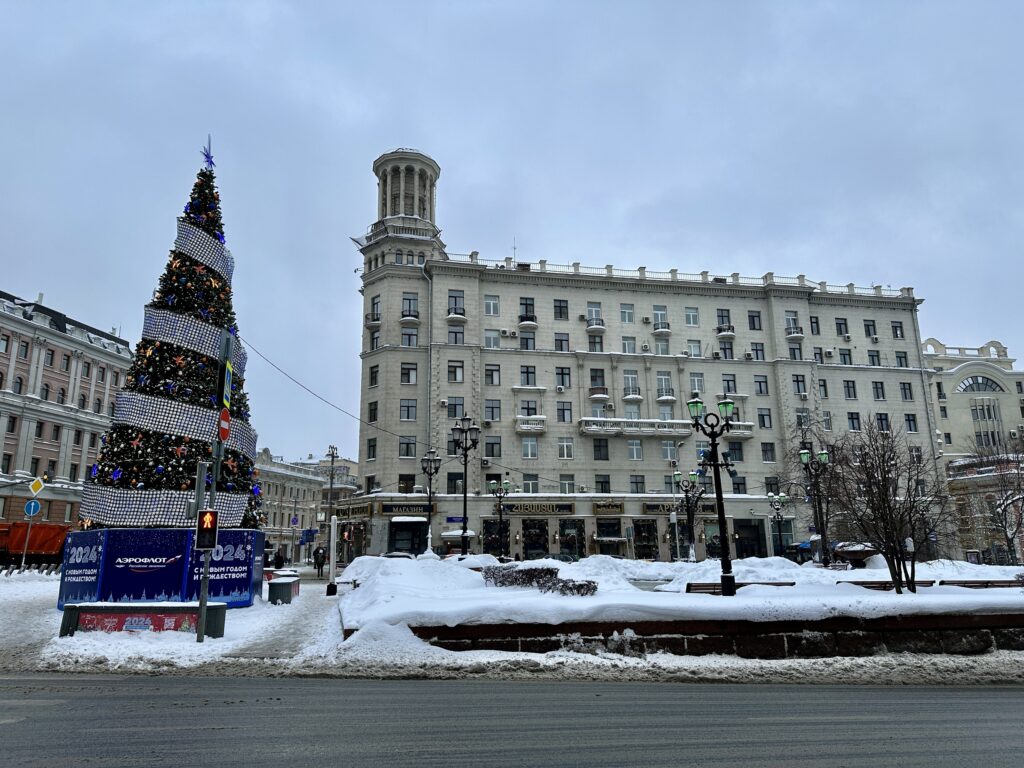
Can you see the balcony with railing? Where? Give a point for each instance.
(632, 427)
(598, 393)
(595, 325)
(794, 333)
(725, 331)
(666, 395)
(456, 314)
(409, 317)
(531, 424)
(662, 328)
(740, 430)
(372, 320)
(632, 394)
(527, 322)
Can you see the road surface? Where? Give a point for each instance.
(51, 720)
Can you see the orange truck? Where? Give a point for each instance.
(45, 542)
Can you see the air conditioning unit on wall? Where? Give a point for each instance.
(485, 462)
(847, 337)
(442, 402)
(829, 353)
(504, 331)
(645, 347)
(748, 355)
(803, 395)
(874, 339)
(647, 321)
(610, 407)
(559, 388)
(716, 355)
(513, 334)
(581, 489)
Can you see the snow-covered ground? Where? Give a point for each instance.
(305, 638)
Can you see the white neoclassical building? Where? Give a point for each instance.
(578, 377)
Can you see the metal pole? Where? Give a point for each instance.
(465, 499)
(332, 587)
(728, 579)
(691, 509)
(24, 551)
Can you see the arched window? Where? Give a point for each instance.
(110, 409)
(44, 391)
(1, 381)
(18, 384)
(398, 256)
(62, 395)
(979, 384)
(81, 402)
(97, 407)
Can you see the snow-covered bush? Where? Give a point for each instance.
(543, 578)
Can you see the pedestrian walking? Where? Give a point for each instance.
(279, 560)
(319, 559)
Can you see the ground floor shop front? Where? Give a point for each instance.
(527, 530)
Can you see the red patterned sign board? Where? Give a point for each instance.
(136, 622)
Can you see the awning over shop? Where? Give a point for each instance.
(456, 534)
(408, 519)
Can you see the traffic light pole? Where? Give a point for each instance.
(226, 346)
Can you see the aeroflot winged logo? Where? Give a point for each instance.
(145, 564)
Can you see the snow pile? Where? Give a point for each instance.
(306, 637)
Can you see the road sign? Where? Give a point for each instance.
(36, 486)
(295, 519)
(224, 425)
(206, 529)
(225, 394)
(32, 508)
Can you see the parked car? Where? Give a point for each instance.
(405, 555)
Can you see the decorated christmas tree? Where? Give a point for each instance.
(166, 416)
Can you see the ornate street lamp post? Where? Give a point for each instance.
(714, 426)
(500, 491)
(466, 437)
(332, 587)
(815, 467)
(691, 494)
(431, 465)
(777, 503)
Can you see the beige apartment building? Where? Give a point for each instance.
(58, 378)
(291, 500)
(578, 377)
(978, 399)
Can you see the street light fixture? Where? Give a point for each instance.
(500, 491)
(777, 503)
(466, 437)
(815, 467)
(431, 465)
(692, 493)
(714, 426)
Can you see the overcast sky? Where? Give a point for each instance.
(865, 142)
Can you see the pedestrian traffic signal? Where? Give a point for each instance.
(206, 529)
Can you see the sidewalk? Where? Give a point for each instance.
(307, 616)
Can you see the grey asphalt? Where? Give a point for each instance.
(51, 720)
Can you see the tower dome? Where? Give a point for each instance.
(406, 184)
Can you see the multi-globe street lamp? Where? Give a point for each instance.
(690, 496)
(714, 426)
(815, 466)
(777, 502)
(466, 437)
(500, 491)
(431, 465)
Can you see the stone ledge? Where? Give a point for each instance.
(957, 634)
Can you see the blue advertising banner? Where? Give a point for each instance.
(142, 565)
(236, 573)
(145, 565)
(80, 573)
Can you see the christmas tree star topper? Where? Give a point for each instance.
(208, 154)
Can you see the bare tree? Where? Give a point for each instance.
(885, 491)
(992, 482)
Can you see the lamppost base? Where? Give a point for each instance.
(332, 589)
(728, 585)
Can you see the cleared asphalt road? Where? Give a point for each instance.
(52, 721)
